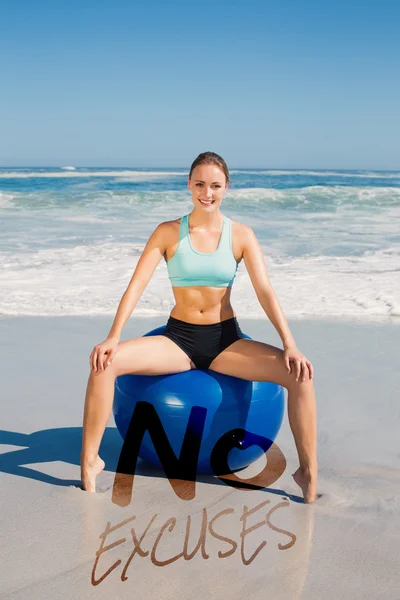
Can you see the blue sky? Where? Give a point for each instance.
(285, 84)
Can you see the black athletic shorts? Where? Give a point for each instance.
(203, 343)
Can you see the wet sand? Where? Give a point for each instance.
(344, 545)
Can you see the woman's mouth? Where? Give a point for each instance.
(206, 203)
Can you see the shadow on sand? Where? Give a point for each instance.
(64, 444)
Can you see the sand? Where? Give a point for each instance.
(346, 545)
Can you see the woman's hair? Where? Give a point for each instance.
(210, 158)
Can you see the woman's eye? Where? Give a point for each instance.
(201, 185)
(215, 186)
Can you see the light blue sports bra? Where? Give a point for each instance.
(188, 267)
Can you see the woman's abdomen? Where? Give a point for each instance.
(202, 305)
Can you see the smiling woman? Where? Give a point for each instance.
(202, 250)
(209, 193)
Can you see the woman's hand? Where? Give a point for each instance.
(103, 354)
(303, 368)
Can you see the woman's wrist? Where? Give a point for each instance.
(290, 344)
(113, 336)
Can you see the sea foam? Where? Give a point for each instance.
(90, 280)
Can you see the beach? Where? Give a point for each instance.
(212, 160)
(344, 545)
(71, 240)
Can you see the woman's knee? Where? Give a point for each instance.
(101, 374)
(300, 387)
(290, 379)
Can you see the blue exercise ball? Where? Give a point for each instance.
(255, 409)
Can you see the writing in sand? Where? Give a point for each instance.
(158, 550)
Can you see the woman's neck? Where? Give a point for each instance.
(210, 220)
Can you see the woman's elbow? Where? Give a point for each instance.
(265, 292)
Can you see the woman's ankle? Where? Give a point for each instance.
(88, 459)
(309, 469)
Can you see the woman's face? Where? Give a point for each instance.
(208, 185)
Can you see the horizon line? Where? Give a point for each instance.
(269, 168)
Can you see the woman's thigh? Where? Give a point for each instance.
(152, 355)
(254, 361)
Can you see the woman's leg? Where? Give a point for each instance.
(153, 355)
(256, 361)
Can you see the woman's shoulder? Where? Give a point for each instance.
(170, 225)
(241, 238)
(168, 230)
(241, 230)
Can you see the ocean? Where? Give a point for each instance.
(70, 239)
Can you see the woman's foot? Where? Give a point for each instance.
(89, 472)
(307, 480)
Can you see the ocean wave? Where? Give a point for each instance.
(6, 200)
(90, 280)
(309, 198)
(87, 198)
(132, 175)
(305, 173)
(89, 219)
(319, 196)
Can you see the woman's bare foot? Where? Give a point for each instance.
(307, 480)
(89, 472)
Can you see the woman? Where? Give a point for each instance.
(202, 251)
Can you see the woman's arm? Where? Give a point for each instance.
(257, 269)
(147, 264)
